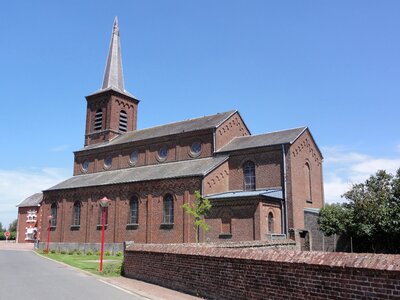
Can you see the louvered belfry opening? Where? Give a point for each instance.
(123, 121)
(98, 120)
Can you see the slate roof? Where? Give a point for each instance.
(271, 193)
(263, 140)
(188, 168)
(190, 125)
(32, 200)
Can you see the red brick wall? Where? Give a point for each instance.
(217, 181)
(268, 168)
(149, 227)
(231, 128)
(301, 152)
(220, 273)
(178, 149)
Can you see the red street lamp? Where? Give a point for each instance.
(104, 202)
(48, 234)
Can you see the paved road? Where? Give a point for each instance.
(25, 275)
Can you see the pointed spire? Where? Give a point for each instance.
(113, 75)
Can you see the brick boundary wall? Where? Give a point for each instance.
(228, 273)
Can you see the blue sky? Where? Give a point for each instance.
(331, 65)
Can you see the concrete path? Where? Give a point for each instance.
(26, 275)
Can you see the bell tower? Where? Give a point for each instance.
(111, 111)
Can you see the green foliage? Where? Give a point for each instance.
(333, 219)
(63, 252)
(112, 269)
(71, 252)
(52, 251)
(107, 253)
(118, 253)
(371, 216)
(89, 252)
(198, 210)
(13, 226)
(97, 253)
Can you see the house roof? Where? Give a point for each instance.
(268, 193)
(188, 168)
(263, 140)
(32, 200)
(196, 124)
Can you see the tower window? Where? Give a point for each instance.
(98, 120)
(249, 172)
(123, 121)
(168, 209)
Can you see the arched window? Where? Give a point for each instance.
(168, 209)
(134, 210)
(76, 216)
(249, 172)
(270, 223)
(101, 215)
(98, 120)
(307, 182)
(123, 121)
(53, 222)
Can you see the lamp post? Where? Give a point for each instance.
(48, 233)
(104, 202)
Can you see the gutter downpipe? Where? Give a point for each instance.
(285, 218)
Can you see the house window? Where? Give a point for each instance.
(307, 181)
(76, 221)
(53, 221)
(123, 121)
(270, 223)
(168, 209)
(249, 172)
(98, 120)
(134, 209)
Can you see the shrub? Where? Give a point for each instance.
(63, 252)
(89, 252)
(118, 253)
(78, 252)
(53, 251)
(107, 253)
(97, 253)
(112, 269)
(71, 252)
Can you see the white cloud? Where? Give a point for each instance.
(17, 185)
(344, 168)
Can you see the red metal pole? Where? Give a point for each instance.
(48, 238)
(103, 219)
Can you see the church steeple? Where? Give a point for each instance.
(111, 111)
(113, 75)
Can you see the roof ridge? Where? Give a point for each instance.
(276, 131)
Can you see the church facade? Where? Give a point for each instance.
(260, 186)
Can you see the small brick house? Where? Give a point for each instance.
(259, 185)
(29, 213)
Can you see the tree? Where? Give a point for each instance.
(333, 219)
(13, 226)
(2, 229)
(198, 210)
(371, 215)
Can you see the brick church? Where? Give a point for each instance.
(260, 186)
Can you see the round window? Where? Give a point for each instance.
(133, 158)
(195, 149)
(108, 162)
(163, 153)
(85, 165)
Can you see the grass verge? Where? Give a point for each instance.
(111, 264)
